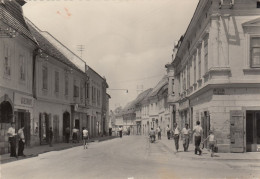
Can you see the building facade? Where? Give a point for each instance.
(216, 73)
(16, 51)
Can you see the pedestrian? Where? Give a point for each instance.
(74, 134)
(120, 131)
(168, 130)
(21, 142)
(11, 134)
(152, 135)
(186, 137)
(197, 131)
(67, 134)
(212, 142)
(85, 137)
(50, 136)
(176, 136)
(159, 132)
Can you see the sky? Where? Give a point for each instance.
(126, 41)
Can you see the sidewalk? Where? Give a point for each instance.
(36, 150)
(249, 156)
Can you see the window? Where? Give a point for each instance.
(22, 67)
(206, 55)
(194, 68)
(44, 77)
(255, 52)
(188, 74)
(199, 62)
(7, 63)
(76, 91)
(66, 84)
(172, 86)
(184, 79)
(56, 81)
(258, 4)
(87, 90)
(81, 90)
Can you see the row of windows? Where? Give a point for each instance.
(7, 64)
(77, 91)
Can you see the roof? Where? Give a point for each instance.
(11, 13)
(161, 84)
(142, 95)
(48, 48)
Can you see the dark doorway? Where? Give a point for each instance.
(23, 120)
(77, 123)
(66, 122)
(253, 131)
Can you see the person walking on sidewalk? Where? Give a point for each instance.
(85, 137)
(176, 135)
(186, 137)
(120, 131)
(159, 133)
(50, 136)
(11, 134)
(75, 134)
(197, 131)
(67, 134)
(21, 142)
(168, 130)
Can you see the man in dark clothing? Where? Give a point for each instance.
(21, 142)
(51, 136)
(11, 134)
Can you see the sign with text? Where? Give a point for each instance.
(23, 100)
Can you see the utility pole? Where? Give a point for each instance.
(80, 48)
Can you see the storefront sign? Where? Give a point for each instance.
(23, 100)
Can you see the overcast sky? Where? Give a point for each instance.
(127, 41)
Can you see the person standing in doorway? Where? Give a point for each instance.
(11, 134)
(197, 131)
(159, 132)
(75, 134)
(67, 134)
(186, 137)
(21, 142)
(168, 130)
(85, 137)
(176, 136)
(120, 131)
(50, 136)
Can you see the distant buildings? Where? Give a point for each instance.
(149, 109)
(215, 69)
(43, 84)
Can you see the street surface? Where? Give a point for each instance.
(131, 157)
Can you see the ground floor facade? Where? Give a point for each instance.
(232, 113)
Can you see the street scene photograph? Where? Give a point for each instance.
(130, 89)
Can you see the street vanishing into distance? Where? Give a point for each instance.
(130, 157)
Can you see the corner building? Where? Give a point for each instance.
(217, 73)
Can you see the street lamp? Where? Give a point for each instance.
(126, 90)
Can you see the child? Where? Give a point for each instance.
(212, 142)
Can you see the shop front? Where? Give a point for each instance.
(23, 110)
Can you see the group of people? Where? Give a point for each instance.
(186, 134)
(198, 133)
(12, 140)
(153, 132)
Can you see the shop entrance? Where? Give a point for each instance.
(253, 131)
(44, 128)
(6, 112)
(23, 120)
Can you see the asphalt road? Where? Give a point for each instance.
(131, 157)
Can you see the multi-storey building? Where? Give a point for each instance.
(216, 73)
(16, 53)
(59, 87)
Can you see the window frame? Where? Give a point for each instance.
(250, 51)
(44, 79)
